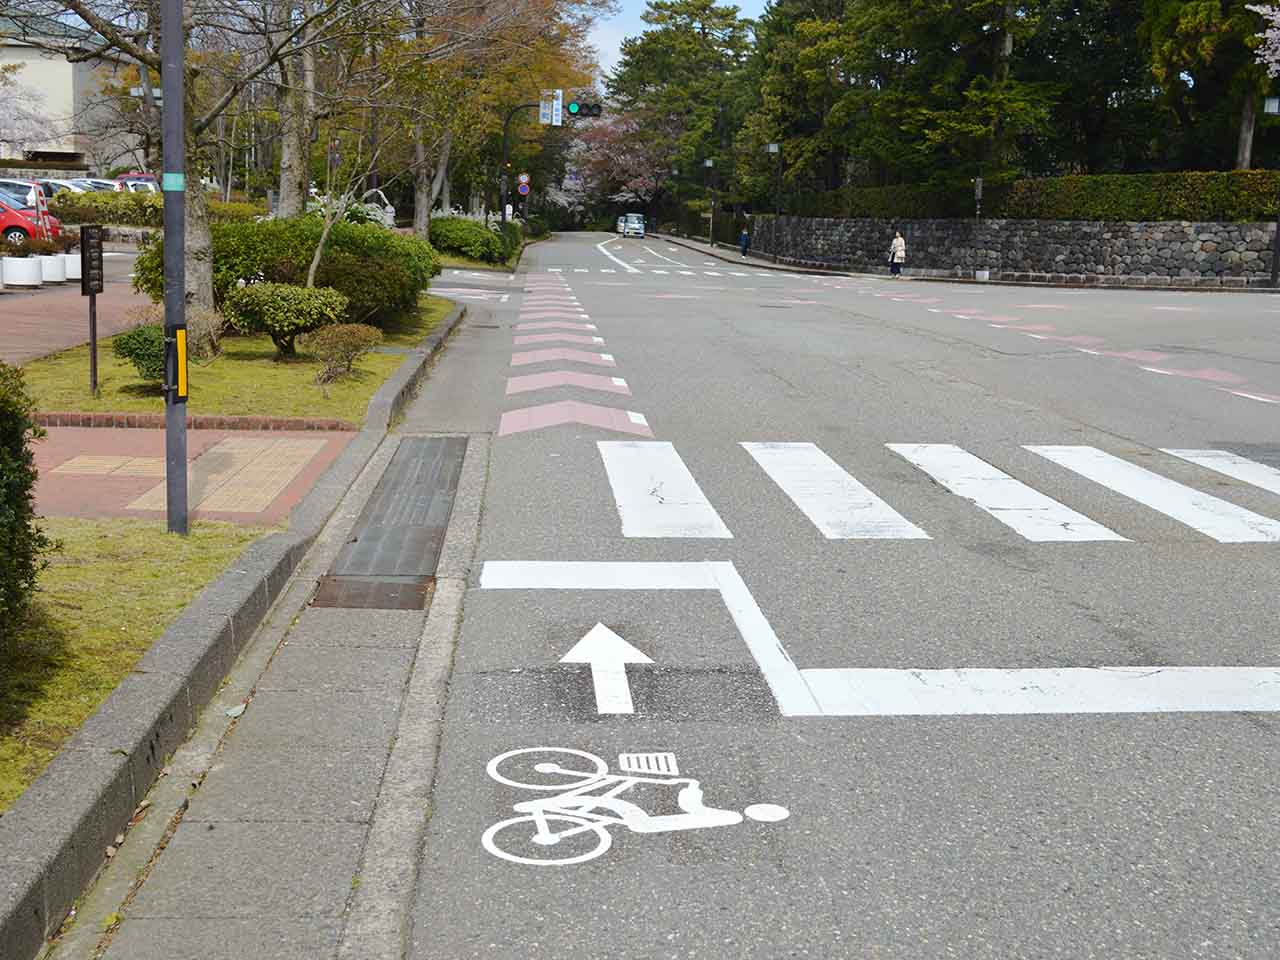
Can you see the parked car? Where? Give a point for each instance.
(21, 188)
(97, 183)
(52, 186)
(137, 181)
(634, 226)
(622, 225)
(18, 224)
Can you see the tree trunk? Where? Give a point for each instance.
(446, 196)
(442, 174)
(1248, 120)
(421, 188)
(199, 253)
(293, 143)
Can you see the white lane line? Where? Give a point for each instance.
(608, 270)
(881, 692)
(837, 504)
(785, 682)
(1222, 521)
(663, 272)
(1024, 510)
(686, 273)
(668, 259)
(625, 266)
(581, 270)
(711, 273)
(1233, 465)
(555, 269)
(739, 274)
(655, 493)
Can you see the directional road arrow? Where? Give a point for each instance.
(608, 654)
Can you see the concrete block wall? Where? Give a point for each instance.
(1175, 251)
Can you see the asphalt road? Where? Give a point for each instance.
(1026, 774)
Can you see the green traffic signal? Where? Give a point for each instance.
(574, 108)
(579, 109)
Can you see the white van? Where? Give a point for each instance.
(622, 225)
(634, 226)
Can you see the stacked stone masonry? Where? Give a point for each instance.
(1170, 252)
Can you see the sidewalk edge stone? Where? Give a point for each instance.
(58, 834)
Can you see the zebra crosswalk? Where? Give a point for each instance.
(657, 495)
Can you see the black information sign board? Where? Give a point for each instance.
(90, 259)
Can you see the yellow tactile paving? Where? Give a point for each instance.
(209, 471)
(255, 487)
(86, 464)
(141, 467)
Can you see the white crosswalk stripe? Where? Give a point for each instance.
(655, 492)
(1218, 519)
(1013, 503)
(837, 504)
(1234, 466)
(657, 496)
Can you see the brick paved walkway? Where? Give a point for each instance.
(45, 321)
(242, 476)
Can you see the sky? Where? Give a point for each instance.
(609, 34)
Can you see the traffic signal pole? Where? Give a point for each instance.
(503, 185)
(173, 185)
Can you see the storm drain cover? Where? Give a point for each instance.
(390, 560)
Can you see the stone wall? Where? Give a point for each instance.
(37, 172)
(1170, 252)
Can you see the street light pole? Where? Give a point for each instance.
(172, 183)
(506, 149)
(776, 150)
(709, 164)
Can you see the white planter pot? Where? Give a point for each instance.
(982, 274)
(52, 269)
(21, 271)
(71, 261)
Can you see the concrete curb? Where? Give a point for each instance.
(53, 839)
(1074, 280)
(207, 421)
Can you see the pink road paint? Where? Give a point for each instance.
(1028, 327)
(1209, 374)
(1079, 341)
(554, 303)
(1045, 306)
(559, 338)
(573, 411)
(567, 378)
(555, 325)
(1249, 395)
(1177, 309)
(1137, 356)
(552, 315)
(1000, 319)
(562, 353)
(804, 302)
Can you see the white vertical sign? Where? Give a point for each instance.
(557, 109)
(545, 106)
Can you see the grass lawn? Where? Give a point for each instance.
(245, 379)
(105, 598)
(466, 263)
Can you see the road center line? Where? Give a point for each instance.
(625, 266)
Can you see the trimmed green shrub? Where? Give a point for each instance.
(537, 226)
(23, 545)
(127, 209)
(1237, 196)
(467, 238)
(339, 347)
(283, 311)
(143, 346)
(379, 271)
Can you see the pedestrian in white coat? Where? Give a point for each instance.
(897, 254)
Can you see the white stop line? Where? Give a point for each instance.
(854, 692)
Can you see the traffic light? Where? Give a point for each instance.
(579, 109)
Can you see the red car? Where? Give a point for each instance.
(18, 224)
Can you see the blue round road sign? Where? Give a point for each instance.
(524, 189)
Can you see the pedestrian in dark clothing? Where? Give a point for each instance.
(744, 242)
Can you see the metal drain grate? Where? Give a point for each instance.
(390, 561)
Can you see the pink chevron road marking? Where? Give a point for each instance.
(559, 338)
(551, 305)
(567, 378)
(573, 411)
(555, 325)
(1028, 327)
(562, 353)
(548, 313)
(1078, 341)
(550, 298)
(1137, 356)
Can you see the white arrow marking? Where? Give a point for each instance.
(608, 654)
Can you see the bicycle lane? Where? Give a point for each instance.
(903, 836)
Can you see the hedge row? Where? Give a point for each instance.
(1238, 196)
(135, 209)
(471, 238)
(379, 271)
(23, 545)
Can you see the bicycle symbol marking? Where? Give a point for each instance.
(573, 825)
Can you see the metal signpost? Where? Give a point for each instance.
(91, 280)
(1271, 107)
(175, 322)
